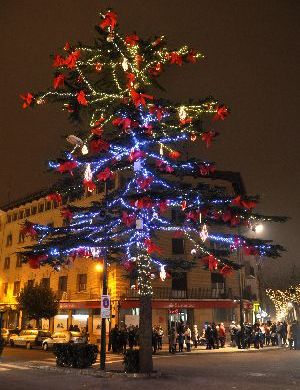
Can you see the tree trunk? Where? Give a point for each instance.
(145, 334)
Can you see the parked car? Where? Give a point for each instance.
(5, 334)
(63, 337)
(29, 338)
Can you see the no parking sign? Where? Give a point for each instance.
(105, 306)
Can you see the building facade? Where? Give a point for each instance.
(196, 296)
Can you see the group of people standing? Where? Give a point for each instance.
(120, 338)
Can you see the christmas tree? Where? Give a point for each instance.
(133, 138)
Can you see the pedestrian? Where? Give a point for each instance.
(160, 334)
(267, 333)
(215, 334)
(188, 337)
(180, 340)
(222, 334)
(209, 337)
(154, 339)
(290, 335)
(232, 331)
(114, 337)
(131, 337)
(195, 336)
(172, 338)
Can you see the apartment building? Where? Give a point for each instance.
(196, 295)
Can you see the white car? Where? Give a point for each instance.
(29, 338)
(63, 337)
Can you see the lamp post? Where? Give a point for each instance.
(103, 320)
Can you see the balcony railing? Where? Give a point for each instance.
(193, 293)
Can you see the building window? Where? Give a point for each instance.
(48, 205)
(7, 263)
(16, 288)
(62, 283)
(27, 212)
(177, 246)
(5, 288)
(41, 207)
(30, 282)
(179, 281)
(81, 282)
(33, 210)
(45, 282)
(9, 240)
(19, 261)
(21, 237)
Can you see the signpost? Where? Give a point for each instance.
(105, 306)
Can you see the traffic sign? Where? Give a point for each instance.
(105, 306)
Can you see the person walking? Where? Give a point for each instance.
(180, 340)
(195, 336)
(222, 334)
(188, 337)
(172, 338)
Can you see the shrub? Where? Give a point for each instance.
(131, 360)
(75, 355)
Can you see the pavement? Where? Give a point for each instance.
(267, 369)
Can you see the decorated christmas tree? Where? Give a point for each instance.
(131, 145)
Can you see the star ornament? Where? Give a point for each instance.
(204, 233)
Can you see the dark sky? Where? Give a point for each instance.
(252, 59)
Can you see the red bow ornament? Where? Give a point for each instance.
(28, 229)
(248, 204)
(208, 136)
(206, 169)
(151, 247)
(226, 216)
(58, 81)
(89, 185)
(67, 166)
(110, 20)
(211, 262)
(135, 155)
(222, 113)
(163, 167)
(250, 251)
(192, 56)
(125, 123)
(143, 203)
(174, 58)
(107, 174)
(132, 40)
(193, 215)
(28, 99)
(128, 219)
(174, 155)
(34, 261)
(139, 98)
(81, 98)
(71, 60)
(144, 182)
(235, 220)
(163, 206)
(58, 61)
(158, 111)
(99, 145)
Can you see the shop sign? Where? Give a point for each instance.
(105, 306)
(173, 311)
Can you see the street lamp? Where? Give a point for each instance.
(259, 228)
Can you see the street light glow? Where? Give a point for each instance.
(259, 228)
(99, 267)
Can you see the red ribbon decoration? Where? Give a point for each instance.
(132, 40)
(110, 20)
(151, 247)
(222, 113)
(211, 262)
(128, 219)
(107, 174)
(191, 57)
(58, 61)
(135, 155)
(55, 197)
(130, 79)
(250, 251)
(81, 98)
(226, 270)
(155, 70)
(142, 203)
(58, 81)
(28, 229)
(67, 166)
(27, 100)
(174, 58)
(99, 145)
(163, 167)
(235, 220)
(34, 261)
(139, 98)
(67, 46)
(144, 182)
(243, 203)
(125, 123)
(186, 121)
(158, 111)
(66, 213)
(208, 136)
(163, 206)
(71, 60)
(193, 215)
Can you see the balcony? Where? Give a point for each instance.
(193, 293)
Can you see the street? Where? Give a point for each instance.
(272, 369)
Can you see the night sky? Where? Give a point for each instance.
(251, 50)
